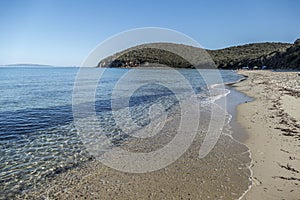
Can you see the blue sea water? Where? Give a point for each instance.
(37, 134)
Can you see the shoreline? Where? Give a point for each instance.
(263, 139)
(237, 132)
(273, 129)
(224, 174)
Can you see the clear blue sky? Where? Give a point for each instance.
(63, 32)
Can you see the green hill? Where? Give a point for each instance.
(163, 54)
(271, 54)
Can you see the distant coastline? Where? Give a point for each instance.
(26, 65)
(33, 65)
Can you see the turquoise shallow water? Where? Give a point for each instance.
(37, 133)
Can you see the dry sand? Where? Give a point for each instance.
(273, 124)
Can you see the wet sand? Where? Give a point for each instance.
(223, 174)
(273, 124)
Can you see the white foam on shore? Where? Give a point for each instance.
(250, 156)
(229, 129)
(213, 99)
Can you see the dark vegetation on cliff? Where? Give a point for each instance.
(248, 55)
(288, 59)
(273, 55)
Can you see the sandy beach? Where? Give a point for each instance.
(272, 126)
(272, 121)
